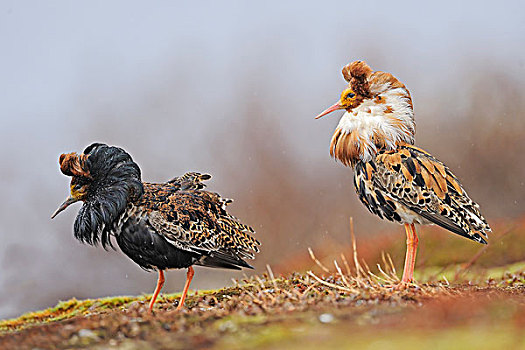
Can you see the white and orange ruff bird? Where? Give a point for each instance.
(394, 179)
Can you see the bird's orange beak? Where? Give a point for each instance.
(70, 200)
(330, 109)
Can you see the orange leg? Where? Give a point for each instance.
(160, 283)
(189, 277)
(410, 259)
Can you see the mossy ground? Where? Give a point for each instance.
(454, 306)
(302, 311)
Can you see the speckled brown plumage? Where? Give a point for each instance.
(196, 220)
(393, 178)
(409, 179)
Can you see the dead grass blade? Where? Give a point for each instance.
(318, 263)
(328, 284)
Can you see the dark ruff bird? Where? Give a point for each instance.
(394, 179)
(162, 226)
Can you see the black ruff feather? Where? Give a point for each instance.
(115, 182)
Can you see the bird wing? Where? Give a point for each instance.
(190, 181)
(424, 185)
(197, 221)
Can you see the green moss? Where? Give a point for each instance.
(73, 307)
(66, 309)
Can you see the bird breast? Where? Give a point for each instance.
(382, 122)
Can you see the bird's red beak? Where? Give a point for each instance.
(330, 109)
(70, 200)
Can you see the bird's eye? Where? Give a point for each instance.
(78, 187)
(350, 95)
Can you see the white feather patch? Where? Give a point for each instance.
(371, 118)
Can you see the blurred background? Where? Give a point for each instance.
(231, 88)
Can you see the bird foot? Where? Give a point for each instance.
(179, 305)
(401, 286)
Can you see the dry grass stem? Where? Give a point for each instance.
(272, 277)
(328, 284)
(345, 262)
(355, 282)
(317, 262)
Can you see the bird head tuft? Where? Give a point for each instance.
(357, 74)
(72, 164)
(357, 70)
